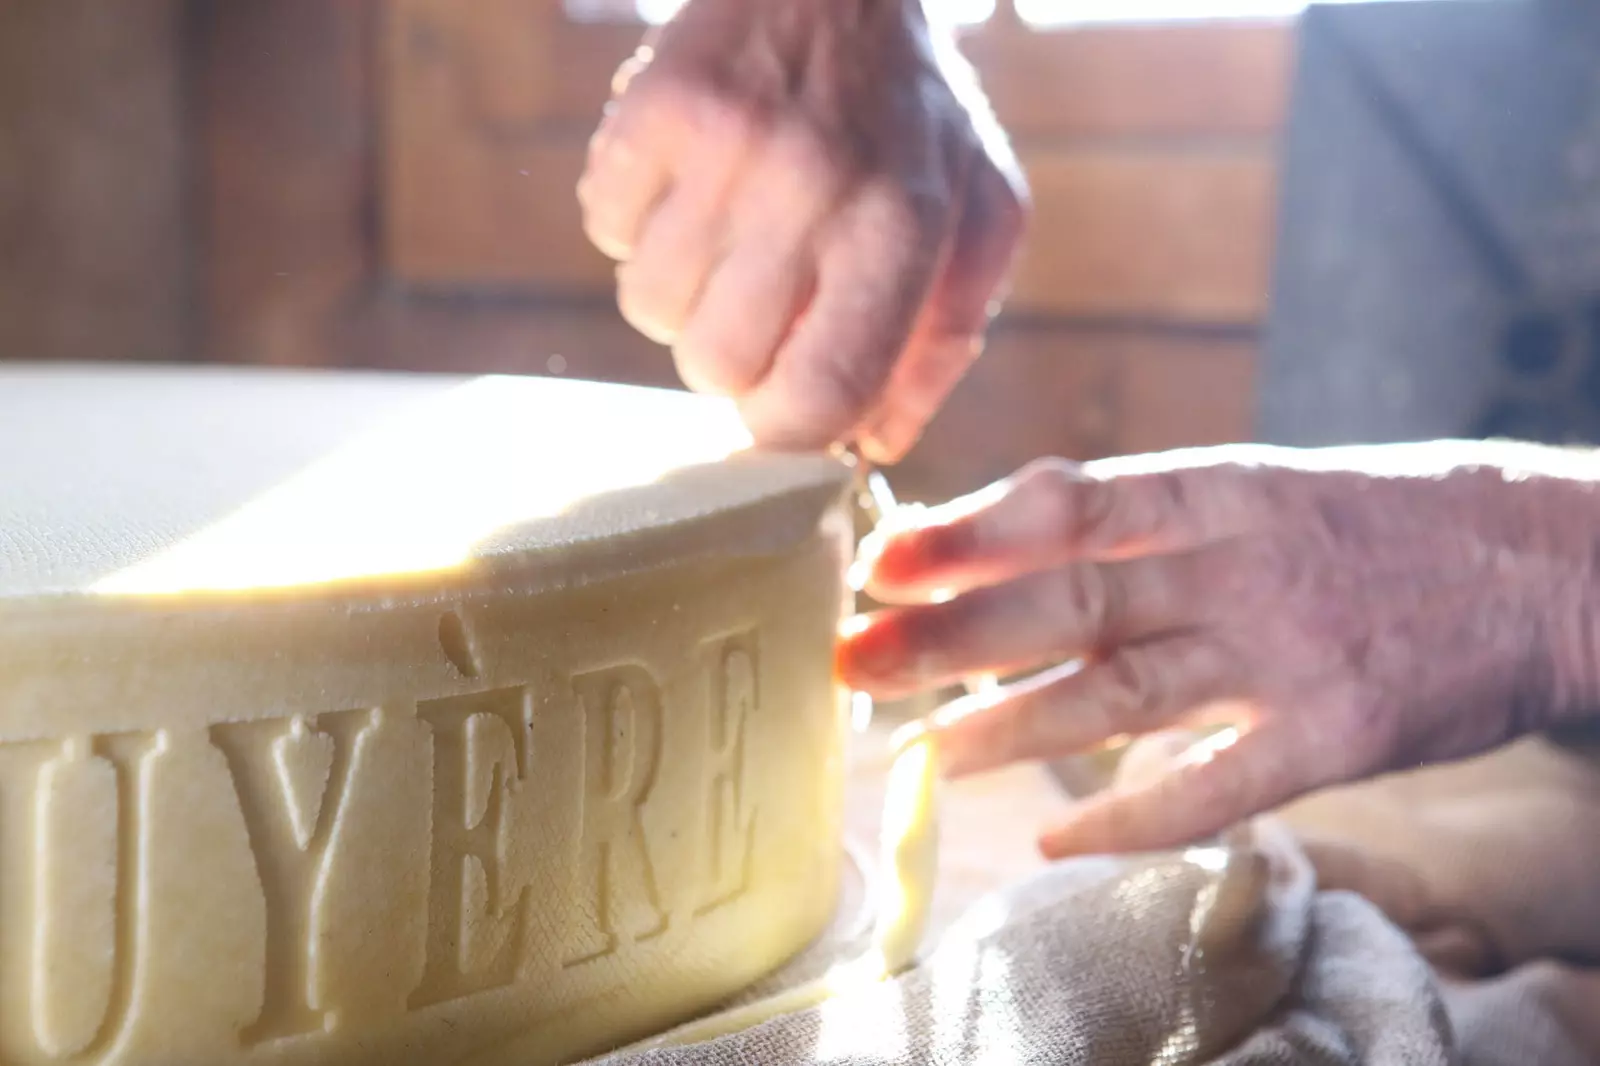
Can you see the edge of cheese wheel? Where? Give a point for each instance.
(557, 773)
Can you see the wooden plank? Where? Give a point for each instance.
(466, 212)
(1173, 235)
(94, 237)
(510, 67)
(1078, 393)
(1213, 78)
(1152, 233)
(287, 125)
(292, 188)
(1081, 393)
(482, 157)
(1073, 392)
(520, 64)
(589, 342)
(1034, 392)
(1184, 394)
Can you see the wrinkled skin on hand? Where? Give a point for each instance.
(811, 204)
(1348, 611)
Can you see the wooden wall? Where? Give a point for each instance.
(389, 183)
(95, 242)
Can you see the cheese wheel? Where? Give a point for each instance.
(357, 718)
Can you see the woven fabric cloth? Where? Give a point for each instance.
(1443, 916)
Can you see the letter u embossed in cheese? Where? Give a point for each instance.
(75, 922)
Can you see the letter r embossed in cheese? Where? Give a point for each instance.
(622, 756)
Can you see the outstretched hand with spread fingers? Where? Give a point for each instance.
(1345, 611)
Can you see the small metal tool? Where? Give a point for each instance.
(877, 502)
(873, 494)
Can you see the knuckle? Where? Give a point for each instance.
(711, 351)
(631, 75)
(1134, 687)
(1023, 729)
(685, 109)
(1079, 601)
(602, 230)
(1053, 489)
(1359, 733)
(1219, 791)
(715, 113)
(903, 213)
(1005, 204)
(849, 380)
(1138, 820)
(643, 305)
(1170, 492)
(811, 159)
(935, 635)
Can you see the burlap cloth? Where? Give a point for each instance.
(1440, 916)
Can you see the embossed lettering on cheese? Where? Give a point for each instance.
(364, 864)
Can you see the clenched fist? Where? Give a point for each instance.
(811, 204)
(1347, 611)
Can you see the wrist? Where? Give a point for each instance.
(1558, 511)
(1574, 651)
(1537, 508)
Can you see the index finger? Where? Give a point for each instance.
(626, 169)
(1048, 514)
(833, 368)
(949, 333)
(1217, 788)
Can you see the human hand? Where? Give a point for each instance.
(812, 205)
(1346, 611)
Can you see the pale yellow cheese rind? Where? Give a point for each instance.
(566, 790)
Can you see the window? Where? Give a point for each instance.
(1053, 13)
(1041, 13)
(965, 12)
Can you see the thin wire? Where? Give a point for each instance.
(877, 501)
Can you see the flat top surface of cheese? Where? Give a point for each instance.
(142, 480)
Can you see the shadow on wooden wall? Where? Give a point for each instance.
(388, 183)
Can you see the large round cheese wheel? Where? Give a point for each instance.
(351, 718)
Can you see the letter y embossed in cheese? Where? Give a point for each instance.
(321, 812)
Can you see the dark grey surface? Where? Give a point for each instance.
(1441, 182)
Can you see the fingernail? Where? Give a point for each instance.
(1081, 832)
(890, 548)
(868, 651)
(1058, 843)
(889, 438)
(909, 556)
(875, 448)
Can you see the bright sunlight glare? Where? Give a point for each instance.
(418, 493)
